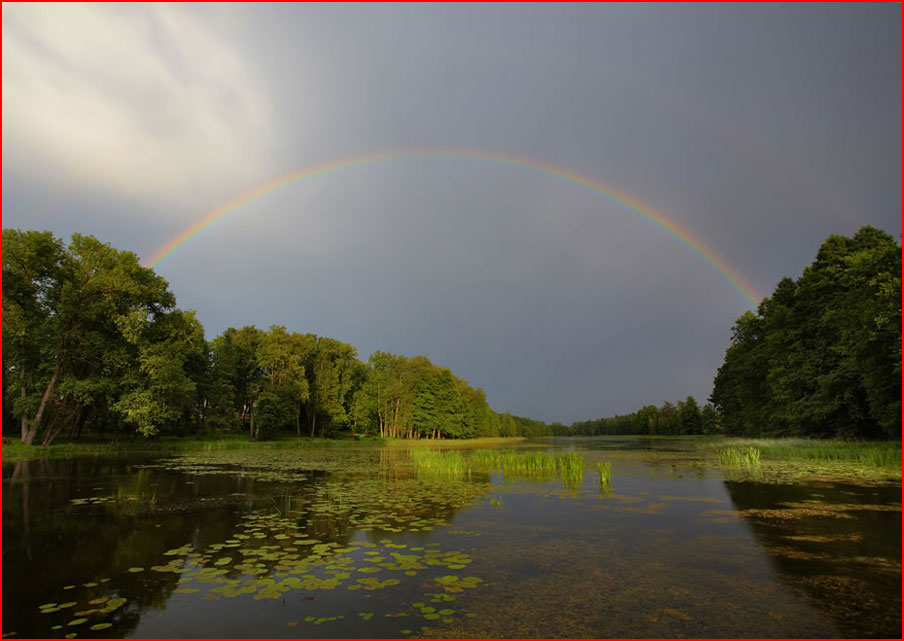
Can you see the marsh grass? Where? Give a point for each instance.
(885, 455)
(569, 466)
(528, 462)
(604, 469)
(444, 464)
(735, 456)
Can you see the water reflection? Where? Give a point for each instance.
(105, 529)
(352, 543)
(837, 544)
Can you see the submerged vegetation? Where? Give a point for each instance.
(413, 540)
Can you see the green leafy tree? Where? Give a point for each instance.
(79, 314)
(709, 420)
(689, 420)
(822, 355)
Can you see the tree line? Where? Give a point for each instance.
(670, 419)
(94, 342)
(821, 357)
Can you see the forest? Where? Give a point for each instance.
(670, 419)
(94, 344)
(820, 358)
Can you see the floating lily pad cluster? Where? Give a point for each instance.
(304, 546)
(189, 465)
(272, 465)
(77, 614)
(391, 505)
(93, 500)
(270, 556)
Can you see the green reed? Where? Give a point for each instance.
(737, 456)
(441, 463)
(604, 468)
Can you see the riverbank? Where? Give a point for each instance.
(174, 445)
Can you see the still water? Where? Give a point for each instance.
(362, 542)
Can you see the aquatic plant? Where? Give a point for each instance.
(527, 462)
(734, 456)
(604, 468)
(571, 469)
(485, 458)
(879, 455)
(451, 464)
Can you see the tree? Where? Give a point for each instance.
(331, 375)
(78, 315)
(709, 420)
(280, 357)
(160, 392)
(822, 356)
(689, 417)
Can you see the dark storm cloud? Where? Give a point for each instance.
(760, 129)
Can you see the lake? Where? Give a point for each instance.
(368, 541)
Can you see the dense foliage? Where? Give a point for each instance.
(822, 355)
(684, 417)
(94, 341)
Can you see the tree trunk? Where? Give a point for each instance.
(77, 427)
(22, 418)
(298, 419)
(313, 424)
(395, 418)
(59, 425)
(36, 422)
(252, 420)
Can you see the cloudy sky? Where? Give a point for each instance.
(758, 129)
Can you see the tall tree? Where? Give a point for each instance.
(83, 314)
(689, 417)
(822, 356)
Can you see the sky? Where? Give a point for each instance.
(758, 130)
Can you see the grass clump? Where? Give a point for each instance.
(875, 455)
(447, 464)
(528, 462)
(737, 456)
(604, 468)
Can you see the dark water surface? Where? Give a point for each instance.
(360, 542)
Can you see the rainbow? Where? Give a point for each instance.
(661, 220)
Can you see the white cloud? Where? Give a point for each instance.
(146, 102)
